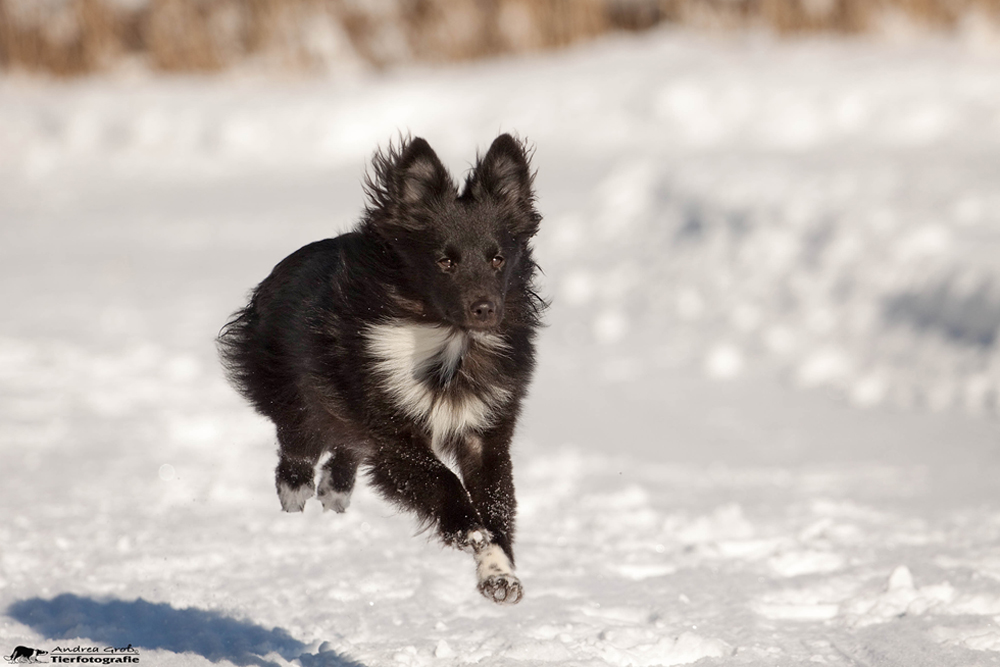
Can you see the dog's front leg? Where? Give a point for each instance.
(408, 474)
(488, 476)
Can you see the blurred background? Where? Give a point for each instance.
(74, 37)
(799, 188)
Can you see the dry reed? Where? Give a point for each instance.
(73, 37)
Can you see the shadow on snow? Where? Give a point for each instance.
(159, 626)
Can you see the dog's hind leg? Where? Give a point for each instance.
(294, 475)
(336, 480)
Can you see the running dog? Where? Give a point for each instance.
(403, 345)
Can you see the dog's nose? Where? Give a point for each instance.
(484, 310)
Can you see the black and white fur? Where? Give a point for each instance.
(405, 344)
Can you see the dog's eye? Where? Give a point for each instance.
(446, 264)
(497, 262)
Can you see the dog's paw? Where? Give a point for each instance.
(332, 499)
(330, 496)
(502, 588)
(495, 572)
(294, 499)
(338, 501)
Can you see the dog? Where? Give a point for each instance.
(25, 654)
(405, 345)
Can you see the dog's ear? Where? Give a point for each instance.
(505, 175)
(420, 176)
(404, 180)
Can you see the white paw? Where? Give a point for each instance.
(496, 576)
(502, 589)
(338, 501)
(294, 500)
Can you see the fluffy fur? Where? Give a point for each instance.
(405, 344)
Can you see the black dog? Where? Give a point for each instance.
(24, 654)
(403, 344)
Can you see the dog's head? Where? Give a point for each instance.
(466, 254)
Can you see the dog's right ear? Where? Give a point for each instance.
(504, 175)
(405, 181)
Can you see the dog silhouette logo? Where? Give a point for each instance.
(23, 654)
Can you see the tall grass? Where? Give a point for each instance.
(72, 37)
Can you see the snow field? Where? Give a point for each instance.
(717, 215)
(626, 562)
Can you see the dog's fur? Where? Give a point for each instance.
(403, 344)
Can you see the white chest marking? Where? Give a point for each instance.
(409, 355)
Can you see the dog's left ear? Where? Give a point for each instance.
(419, 175)
(404, 181)
(505, 175)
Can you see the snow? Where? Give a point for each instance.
(763, 429)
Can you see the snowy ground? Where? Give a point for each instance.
(763, 431)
